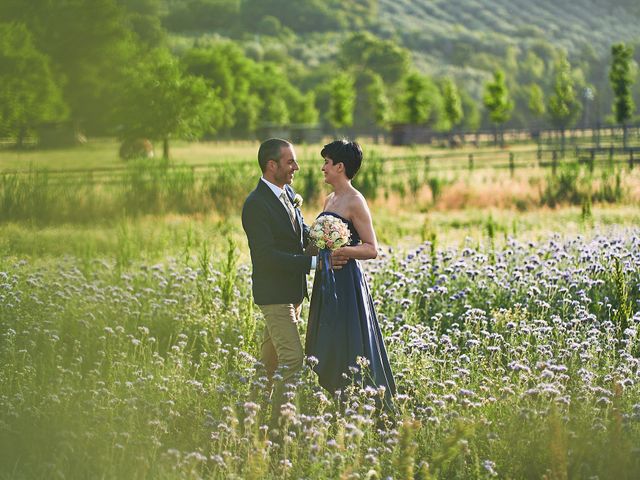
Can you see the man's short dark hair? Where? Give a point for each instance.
(270, 150)
(345, 152)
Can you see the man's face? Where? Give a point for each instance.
(286, 166)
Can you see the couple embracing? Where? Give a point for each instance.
(342, 324)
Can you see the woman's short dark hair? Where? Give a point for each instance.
(345, 152)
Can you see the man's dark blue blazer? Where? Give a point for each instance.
(277, 250)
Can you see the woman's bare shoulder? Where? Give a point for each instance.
(328, 199)
(357, 199)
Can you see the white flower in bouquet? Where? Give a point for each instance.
(329, 232)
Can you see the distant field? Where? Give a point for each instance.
(103, 153)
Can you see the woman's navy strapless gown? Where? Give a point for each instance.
(343, 326)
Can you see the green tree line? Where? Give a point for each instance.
(127, 68)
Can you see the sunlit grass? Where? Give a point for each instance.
(152, 238)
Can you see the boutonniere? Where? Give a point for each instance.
(297, 200)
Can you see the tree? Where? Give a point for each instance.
(341, 101)
(162, 102)
(452, 103)
(364, 51)
(304, 109)
(420, 99)
(497, 102)
(273, 88)
(282, 102)
(89, 45)
(143, 18)
(194, 15)
(371, 107)
(233, 77)
(564, 106)
(29, 94)
(532, 68)
(307, 16)
(379, 101)
(536, 100)
(622, 78)
(472, 117)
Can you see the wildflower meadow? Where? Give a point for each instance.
(512, 361)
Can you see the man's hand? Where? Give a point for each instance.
(339, 258)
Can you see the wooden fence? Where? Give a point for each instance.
(438, 161)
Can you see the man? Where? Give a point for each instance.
(277, 237)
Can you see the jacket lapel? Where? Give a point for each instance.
(291, 195)
(277, 205)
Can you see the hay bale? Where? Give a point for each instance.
(136, 148)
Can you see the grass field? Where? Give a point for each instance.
(129, 341)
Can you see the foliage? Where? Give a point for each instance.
(621, 76)
(452, 103)
(304, 108)
(471, 116)
(162, 102)
(89, 44)
(230, 74)
(308, 15)
(372, 105)
(564, 105)
(341, 101)
(496, 99)
(203, 15)
(379, 101)
(252, 93)
(536, 100)
(420, 100)
(143, 18)
(364, 51)
(29, 92)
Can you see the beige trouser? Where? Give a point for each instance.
(281, 348)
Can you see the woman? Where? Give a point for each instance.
(343, 326)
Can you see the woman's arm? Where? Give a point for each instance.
(361, 219)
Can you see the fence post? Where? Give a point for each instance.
(512, 165)
(592, 159)
(554, 162)
(539, 153)
(630, 159)
(427, 163)
(471, 161)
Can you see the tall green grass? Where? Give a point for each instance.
(576, 185)
(144, 188)
(128, 369)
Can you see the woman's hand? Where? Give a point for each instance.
(339, 257)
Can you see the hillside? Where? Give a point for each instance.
(466, 40)
(448, 33)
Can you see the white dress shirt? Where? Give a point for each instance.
(277, 191)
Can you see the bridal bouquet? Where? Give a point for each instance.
(329, 232)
